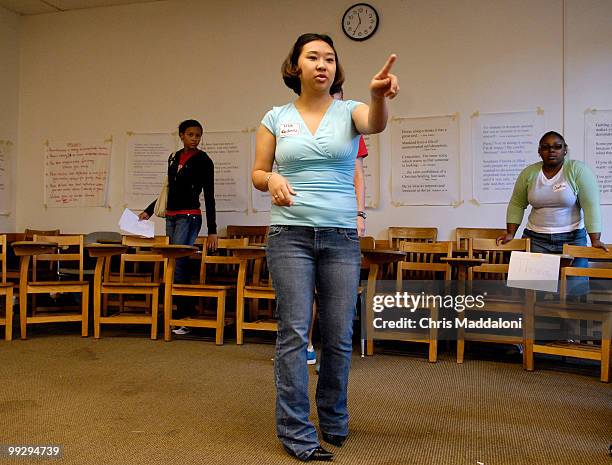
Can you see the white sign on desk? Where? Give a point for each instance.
(537, 271)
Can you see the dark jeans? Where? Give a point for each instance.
(300, 259)
(183, 230)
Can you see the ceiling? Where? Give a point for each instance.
(37, 7)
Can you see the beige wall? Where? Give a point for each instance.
(101, 72)
(10, 25)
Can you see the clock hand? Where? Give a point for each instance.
(359, 23)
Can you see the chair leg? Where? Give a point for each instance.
(239, 320)
(528, 336)
(606, 335)
(220, 319)
(23, 309)
(96, 308)
(8, 330)
(154, 313)
(167, 315)
(460, 340)
(85, 311)
(433, 337)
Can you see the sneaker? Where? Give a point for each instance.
(182, 330)
(311, 356)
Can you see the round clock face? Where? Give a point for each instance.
(360, 21)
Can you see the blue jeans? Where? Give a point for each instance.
(300, 259)
(553, 243)
(183, 230)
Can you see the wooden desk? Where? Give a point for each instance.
(374, 258)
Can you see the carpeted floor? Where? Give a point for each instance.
(130, 400)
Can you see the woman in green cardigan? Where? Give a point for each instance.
(559, 191)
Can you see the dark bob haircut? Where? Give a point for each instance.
(189, 123)
(291, 72)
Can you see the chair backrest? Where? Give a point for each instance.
(382, 244)
(30, 233)
(3, 256)
(497, 256)
(590, 253)
(399, 234)
(600, 267)
(143, 254)
(69, 249)
(462, 235)
(103, 236)
(144, 242)
(423, 261)
(367, 242)
(255, 234)
(222, 266)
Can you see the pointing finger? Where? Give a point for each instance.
(387, 67)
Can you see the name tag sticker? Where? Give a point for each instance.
(289, 129)
(559, 187)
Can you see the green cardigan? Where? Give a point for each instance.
(583, 183)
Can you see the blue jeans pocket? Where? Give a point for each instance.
(275, 230)
(350, 235)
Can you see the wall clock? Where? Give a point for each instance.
(360, 21)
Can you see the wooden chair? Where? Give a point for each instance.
(399, 234)
(255, 288)
(103, 286)
(62, 253)
(6, 290)
(597, 308)
(462, 236)
(131, 269)
(12, 261)
(495, 268)
(202, 289)
(255, 234)
(423, 263)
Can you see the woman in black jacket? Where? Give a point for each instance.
(190, 171)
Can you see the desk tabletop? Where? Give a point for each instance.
(22, 248)
(175, 250)
(105, 250)
(381, 256)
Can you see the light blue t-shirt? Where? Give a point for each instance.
(319, 167)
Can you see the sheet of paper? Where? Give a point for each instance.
(425, 160)
(502, 145)
(76, 173)
(130, 224)
(536, 271)
(598, 150)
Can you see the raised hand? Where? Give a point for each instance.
(385, 84)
